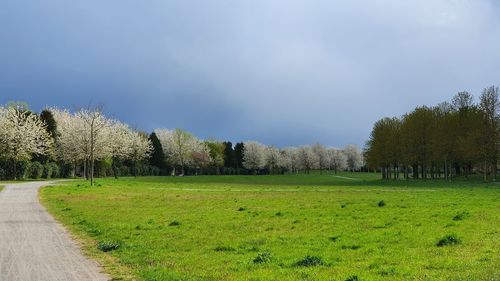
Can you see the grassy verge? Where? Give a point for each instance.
(318, 227)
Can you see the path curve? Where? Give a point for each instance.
(33, 246)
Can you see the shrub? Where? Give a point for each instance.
(224, 249)
(51, 170)
(174, 223)
(36, 170)
(107, 246)
(241, 209)
(353, 278)
(310, 261)
(279, 214)
(460, 216)
(263, 257)
(448, 240)
(351, 247)
(334, 238)
(381, 203)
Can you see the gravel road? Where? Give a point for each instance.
(33, 246)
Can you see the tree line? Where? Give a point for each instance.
(86, 143)
(456, 138)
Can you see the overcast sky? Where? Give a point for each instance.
(283, 72)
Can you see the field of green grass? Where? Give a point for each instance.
(294, 227)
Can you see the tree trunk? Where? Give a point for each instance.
(15, 169)
(114, 168)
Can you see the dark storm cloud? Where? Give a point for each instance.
(281, 72)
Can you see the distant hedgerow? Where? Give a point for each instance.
(449, 240)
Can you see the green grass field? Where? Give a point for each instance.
(296, 227)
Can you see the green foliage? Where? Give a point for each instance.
(264, 257)
(224, 249)
(157, 158)
(310, 261)
(50, 170)
(174, 223)
(461, 216)
(238, 154)
(449, 240)
(381, 203)
(36, 170)
(108, 246)
(444, 141)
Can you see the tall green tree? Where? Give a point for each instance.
(157, 157)
(238, 151)
(490, 108)
(229, 155)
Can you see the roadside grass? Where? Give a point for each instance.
(292, 227)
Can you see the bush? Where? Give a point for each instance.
(310, 261)
(263, 257)
(460, 216)
(449, 240)
(224, 249)
(107, 246)
(334, 238)
(174, 223)
(51, 170)
(381, 203)
(353, 278)
(241, 209)
(36, 170)
(350, 247)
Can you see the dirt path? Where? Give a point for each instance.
(33, 246)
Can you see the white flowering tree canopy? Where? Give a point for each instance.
(22, 134)
(254, 155)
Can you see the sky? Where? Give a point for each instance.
(282, 72)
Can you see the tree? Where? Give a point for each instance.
(216, 151)
(336, 159)
(354, 157)
(22, 135)
(140, 148)
(71, 140)
(229, 155)
(178, 146)
(96, 130)
(306, 158)
(321, 156)
(289, 159)
(272, 159)
(238, 154)
(157, 157)
(254, 154)
(490, 108)
(121, 146)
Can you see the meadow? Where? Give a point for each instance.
(352, 226)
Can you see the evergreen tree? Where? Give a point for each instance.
(238, 151)
(157, 158)
(47, 117)
(229, 155)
